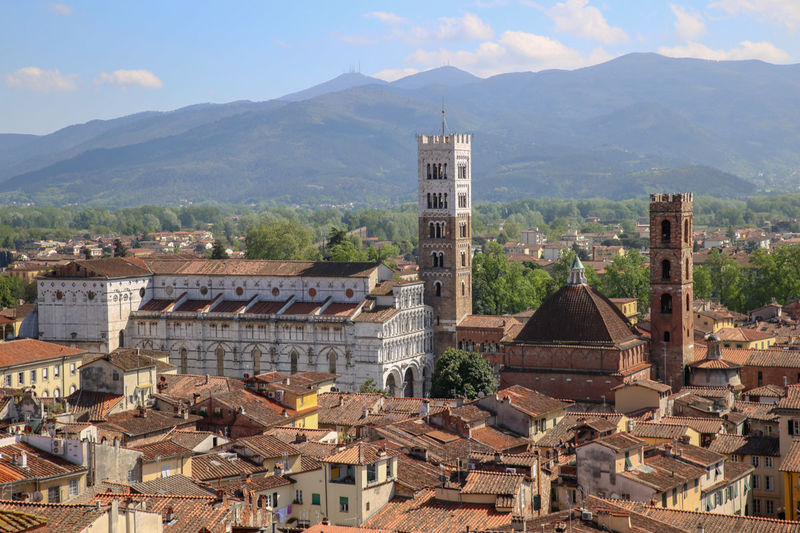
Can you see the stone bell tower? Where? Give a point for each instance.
(444, 178)
(671, 287)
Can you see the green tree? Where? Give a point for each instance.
(346, 251)
(279, 240)
(500, 287)
(336, 236)
(727, 282)
(218, 251)
(561, 269)
(702, 282)
(460, 373)
(628, 277)
(370, 387)
(120, 250)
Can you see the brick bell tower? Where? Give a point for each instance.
(444, 178)
(671, 287)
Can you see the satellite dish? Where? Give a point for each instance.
(37, 496)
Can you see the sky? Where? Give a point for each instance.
(63, 63)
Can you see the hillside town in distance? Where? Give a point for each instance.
(149, 387)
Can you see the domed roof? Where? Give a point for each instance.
(579, 314)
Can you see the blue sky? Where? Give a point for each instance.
(70, 62)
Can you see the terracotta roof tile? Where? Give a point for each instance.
(497, 440)
(40, 464)
(378, 314)
(361, 453)
(530, 401)
(302, 308)
(155, 305)
(424, 513)
(792, 399)
(132, 359)
(62, 516)
(229, 306)
(156, 451)
(92, 406)
(266, 446)
(212, 466)
(655, 430)
(340, 309)
(619, 442)
(242, 267)
(769, 391)
(647, 384)
(265, 308)
(701, 425)
(415, 473)
(21, 351)
(601, 321)
(745, 445)
(184, 386)
(188, 512)
(109, 267)
(484, 482)
(176, 484)
(134, 425)
(755, 410)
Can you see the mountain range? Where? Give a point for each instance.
(633, 125)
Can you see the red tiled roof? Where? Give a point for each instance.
(701, 425)
(155, 305)
(361, 453)
(302, 308)
(133, 425)
(530, 401)
(109, 267)
(484, 482)
(265, 308)
(92, 406)
(17, 522)
(61, 516)
(792, 399)
(497, 440)
(190, 306)
(424, 513)
(558, 317)
(160, 450)
(243, 267)
(212, 466)
(378, 314)
(336, 309)
(619, 442)
(647, 384)
(266, 446)
(22, 351)
(40, 464)
(488, 321)
(184, 386)
(229, 306)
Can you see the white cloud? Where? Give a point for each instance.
(37, 79)
(513, 51)
(386, 17)
(123, 78)
(61, 9)
(467, 28)
(763, 50)
(783, 12)
(392, 74)
(577, 17)
(688, 25)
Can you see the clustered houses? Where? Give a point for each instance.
(236, 317)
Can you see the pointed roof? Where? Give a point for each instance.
(577, 273)
(577, 314)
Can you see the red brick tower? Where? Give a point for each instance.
(445, 231)
(671, 292)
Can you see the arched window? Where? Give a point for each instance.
(439, 203)
(432, 230)
(122, 338)
(57, 393)
(441, 259)
(435, 175)
(435, 259)
(437, 287)
(430, 205)
(438, 231)
(463, 259)
(332, 362)
(686, 231)
(440, 171)
(666, 303)
(256, 361)
(445, 200)
(429, 171)
(391, 386)
(184, 361)
(688, 269)
(220, 353)
(293, 362)
(688, 303)
(444, 173)
(666, 232)
(72, 389)
(666, 336)
(463, 289)
(665, 267)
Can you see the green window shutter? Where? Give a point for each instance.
(314, 499)
(537, 502)
(343, 500)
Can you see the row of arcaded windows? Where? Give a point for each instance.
(436, 230)
(437, 288)
(437, 201)
(438, 259)
(666, 304)
(437, 171)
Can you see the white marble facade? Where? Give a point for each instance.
(246, 319)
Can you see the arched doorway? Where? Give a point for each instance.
(391, 386)
(408, 390)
